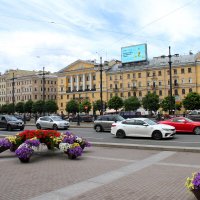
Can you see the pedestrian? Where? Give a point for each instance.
(36, 117)
(24, 118)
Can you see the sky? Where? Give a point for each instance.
(53, 34)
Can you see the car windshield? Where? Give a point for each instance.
(189, 120)
(11, 118)
(56, 118)
(119, 118)
(150, 122)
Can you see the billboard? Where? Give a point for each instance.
(134, 53)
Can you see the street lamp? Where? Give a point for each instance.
(13, 92)
(170, 77)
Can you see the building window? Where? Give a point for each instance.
(134, 75)
(160, 92)
(134, 94)
(183, 91)
(110, 78)
(128, 76)
(129, 94)
(190, 90)
(111, 95)
(154, 74)
(190, 80)
(120, 77)
(148, 83)
(183, 80)
(159, 73)
(94, 78)
(67, 96)
(140, 93)
(175, 71)
(139, 75)
(61, 104)
(120, 85)
(182, 71)
(61, 96)
(139, 84)
(160, 83)
(110, 86)
(128, 85)
(148, 74)
(121, 94)
(176, 92)
(189, 70)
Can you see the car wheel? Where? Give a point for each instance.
(157, 135)
(55, 127)
(120, 134)
(38, 126)
(9, 128)
(98, 128)
(196, 131)
(22, 128)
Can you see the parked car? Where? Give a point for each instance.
(82, 118)
(10, 122)
(142, 127)
(130, 114)
(52, 122)
(104, 122)
(194, 115)
(183, 124)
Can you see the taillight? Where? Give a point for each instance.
(113, 125)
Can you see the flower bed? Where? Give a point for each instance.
(193, 184)
(24, 143)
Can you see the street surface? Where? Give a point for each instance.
(181, 140)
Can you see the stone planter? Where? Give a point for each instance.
(71, 156)
(2, 149)
(196, 193)
(24, 160)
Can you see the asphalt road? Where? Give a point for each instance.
(181, 140)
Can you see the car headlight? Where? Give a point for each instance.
(167, 129)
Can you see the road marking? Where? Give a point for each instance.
(95, 182)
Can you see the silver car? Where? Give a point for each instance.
(104, 122)
(52, 122)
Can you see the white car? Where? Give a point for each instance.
(142, 127)
(52, 122)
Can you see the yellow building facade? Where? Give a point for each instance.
(81, 79)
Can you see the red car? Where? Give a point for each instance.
(183, 124)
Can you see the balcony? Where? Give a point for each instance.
(134, 88)
(176, 85)
(115, 90)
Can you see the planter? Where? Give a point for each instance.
(2, 149)
(24, 160)
(71, 156)
(196, 193)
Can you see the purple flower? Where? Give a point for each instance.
(77, 151)
(5, 143)
(68, 133)
(69, 139)
(33, 142)
(196, 181)
(24, 152)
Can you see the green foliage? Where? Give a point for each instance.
(50, 106)
(19, 107)
(28, 106)
(10, 108)
(85, 104)
(38, 106)
(115, 103)
(72, 106)
(151, 102)
(4, 108)
(132, 103)
(97, 105)
(165, 104)
(192, 101)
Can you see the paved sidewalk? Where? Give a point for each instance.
(101, 173)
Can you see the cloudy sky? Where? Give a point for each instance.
(52, 34)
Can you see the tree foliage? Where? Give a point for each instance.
(115, 103)
(97, 105)
(192, 101)
(28, 106)
(50, 106)
(72, 106)
(151, 102)
(85, 106)
(38, 106)
(19, 107)
(165, 104)
(131, 104)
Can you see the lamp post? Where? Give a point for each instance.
(101, 93)
(170, 77)
(13, 92)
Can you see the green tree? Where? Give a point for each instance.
(165, 104)
(4, 108)
(85, 106)
(28, 106)
(132, 103)
(115, 103)
(10, 108)
(50, 106)
(192, 101)
(72, 106)
(151, 102)
(97, 105)
(19, 107)
(38, 106)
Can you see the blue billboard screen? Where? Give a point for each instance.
(134, 53)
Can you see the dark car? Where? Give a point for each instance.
(82, 118)
(104, 122)
(194, 115)
(10, 122)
